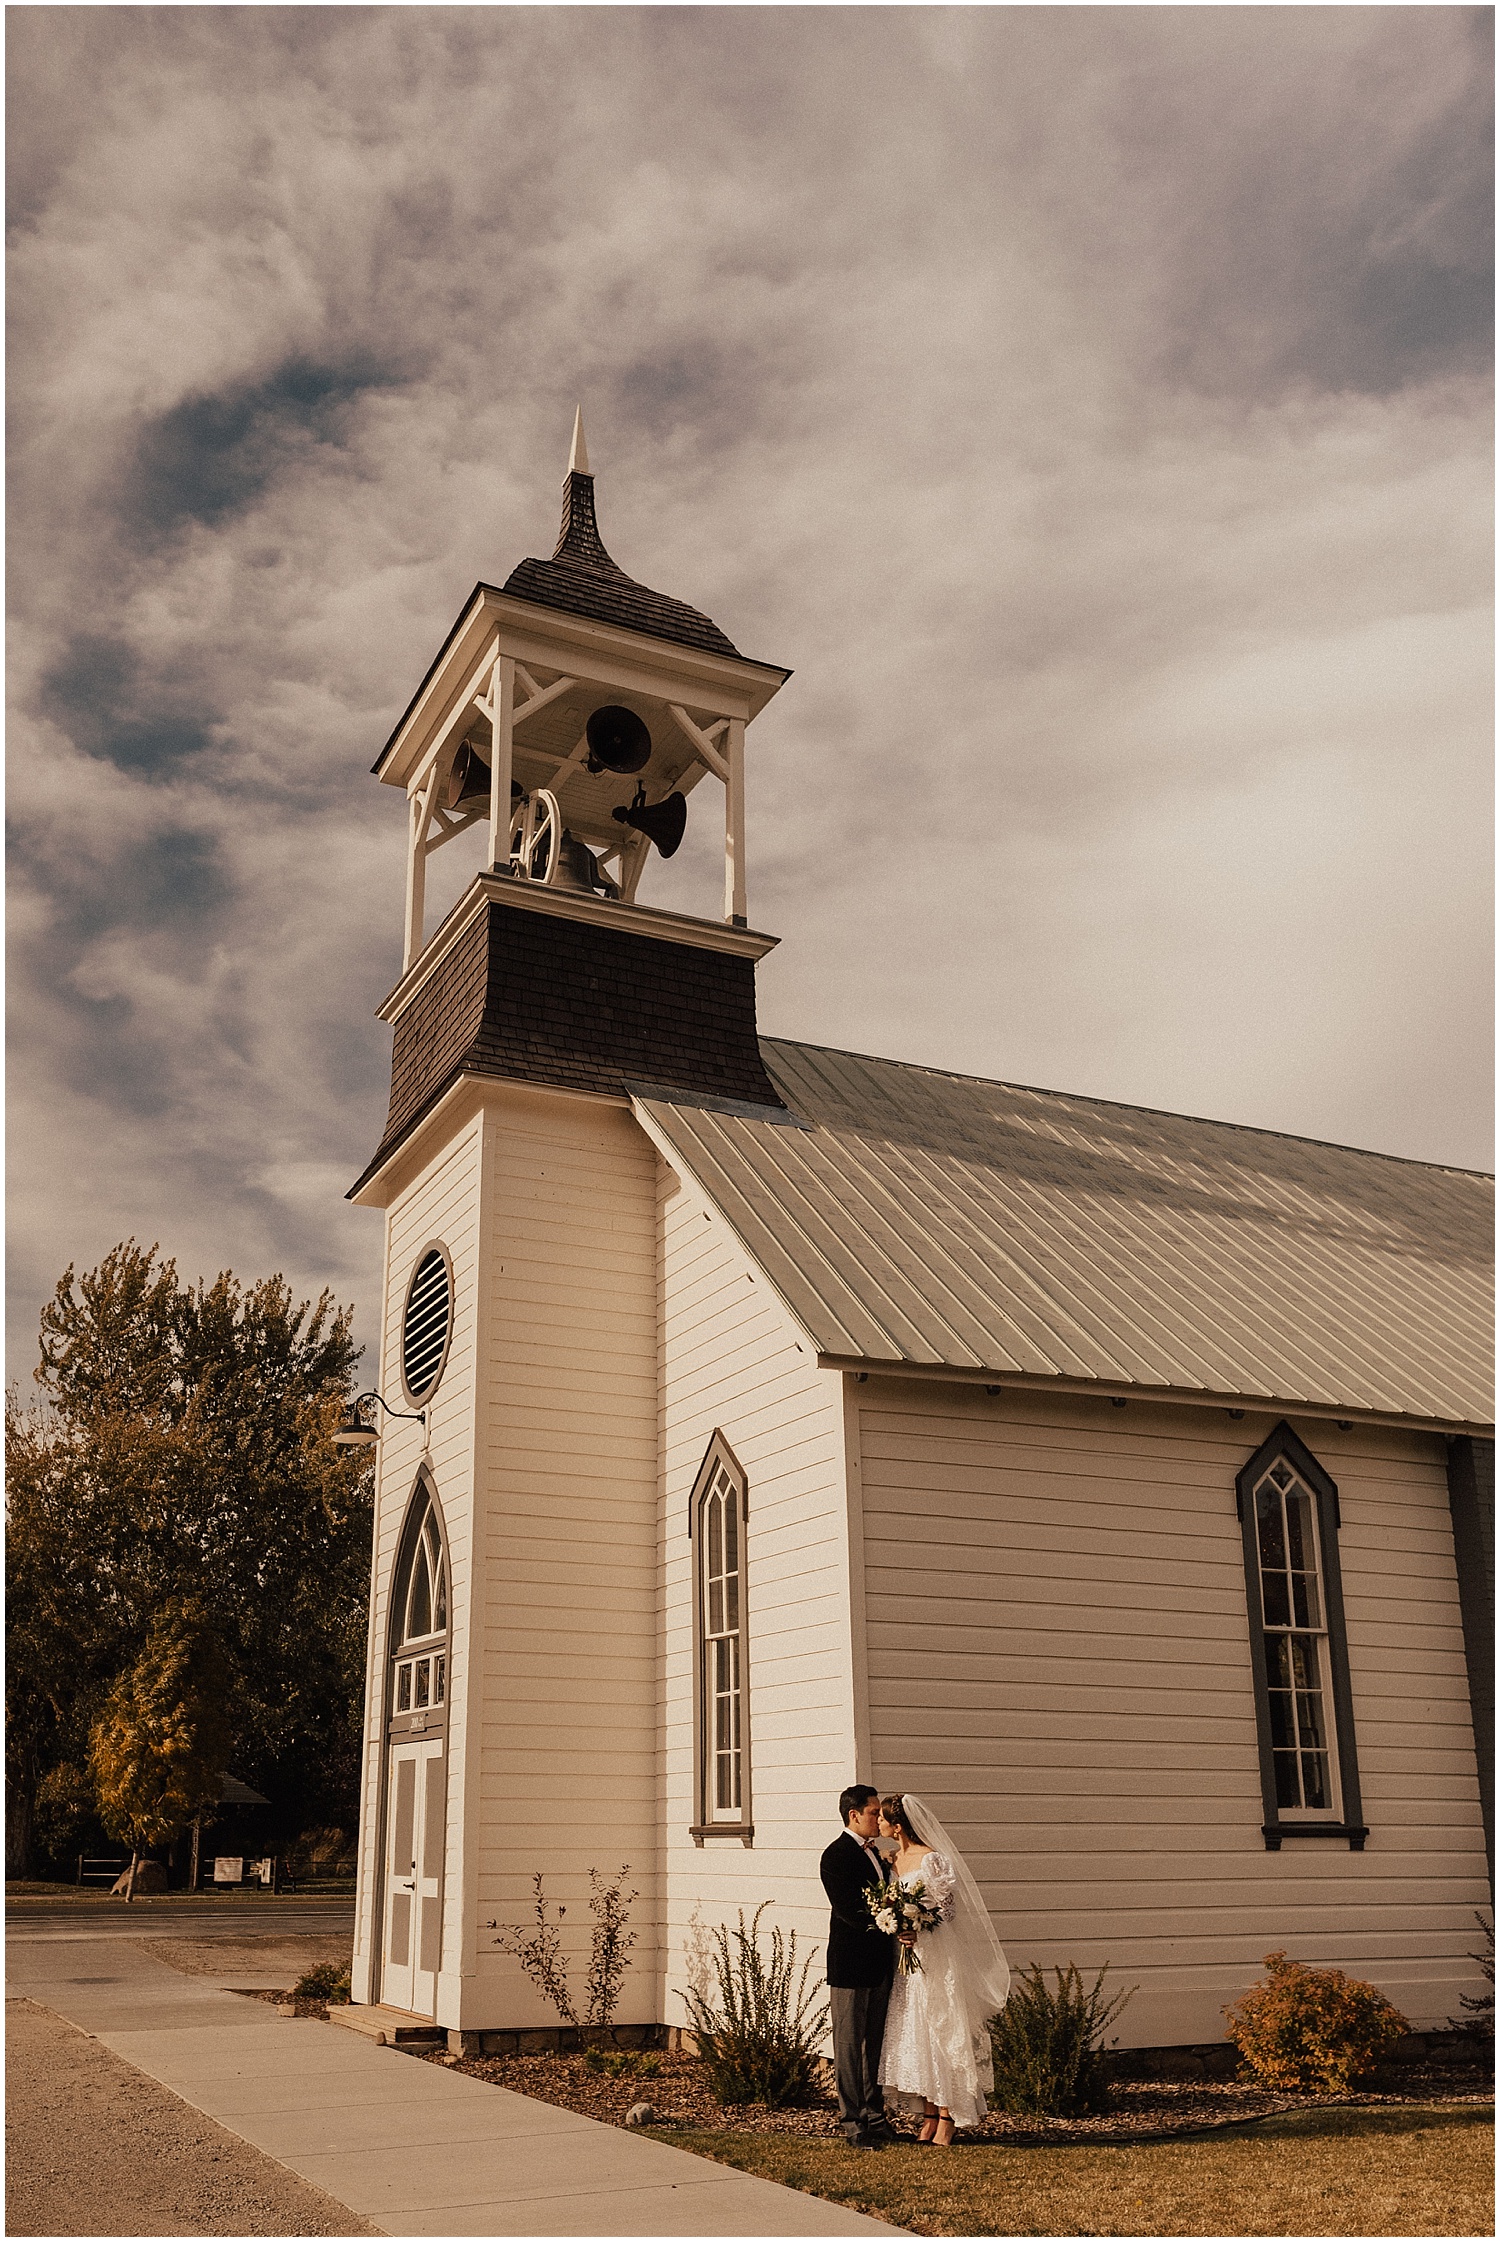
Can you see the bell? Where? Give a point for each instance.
(663, 822)
(469, 779)
(578, 869)
(618, 741)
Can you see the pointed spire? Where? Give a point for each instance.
(578, 539)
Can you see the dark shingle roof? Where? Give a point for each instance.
(581, 579)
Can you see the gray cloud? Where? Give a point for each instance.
(1090, 403)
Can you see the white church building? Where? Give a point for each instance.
(773, 1417)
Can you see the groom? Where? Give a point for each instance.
(861, 1964)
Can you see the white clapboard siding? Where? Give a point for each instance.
(442, 1203)
(569, 1470)
(1057, 1654)
(732, 1361)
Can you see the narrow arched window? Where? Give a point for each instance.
(419, 1616)
(1299, 1661)
(718, 1514)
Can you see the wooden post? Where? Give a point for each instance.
(735, 909)
(502, 736)
(197, 1839)
(416, 878)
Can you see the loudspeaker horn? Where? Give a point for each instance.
(469, 779)
(663, 822)
(618, 741)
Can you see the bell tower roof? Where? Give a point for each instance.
(582, 579)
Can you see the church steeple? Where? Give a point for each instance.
(583, 579)
(574, 713)
(578, 539)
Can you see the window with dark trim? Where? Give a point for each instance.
(717, 1517)
(1304, 1712)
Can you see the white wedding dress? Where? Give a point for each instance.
(937, 2045)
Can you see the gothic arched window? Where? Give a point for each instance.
(717, 1523)
(419, 1614)
(1289, 1510)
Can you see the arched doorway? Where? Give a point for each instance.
(416, 1704)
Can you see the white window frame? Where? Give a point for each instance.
(1280, 1483)
(420, 1664)
(721, 1643)
(1343, 1816)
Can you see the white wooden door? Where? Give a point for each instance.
(415, 1831)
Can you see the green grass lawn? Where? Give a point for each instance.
(1423, 2169)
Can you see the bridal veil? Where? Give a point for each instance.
(982, 1971)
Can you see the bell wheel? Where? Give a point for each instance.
(536, 837)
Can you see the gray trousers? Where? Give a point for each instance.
(858, 2013)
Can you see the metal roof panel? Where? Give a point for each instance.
(945, 1221)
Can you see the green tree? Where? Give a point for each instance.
(160, 1747)
(182, 1449)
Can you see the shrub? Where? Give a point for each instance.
(623, 2065)
(325, 1981)
(1478, 2023)
(540, 1953)
(1046, 2043)
(1313, 2029)
(760, 2040)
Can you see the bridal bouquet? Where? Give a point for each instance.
(900, 1909)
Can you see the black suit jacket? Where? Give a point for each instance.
(858, 1954)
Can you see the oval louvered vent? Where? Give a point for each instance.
(424, 1335)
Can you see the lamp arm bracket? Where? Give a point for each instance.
(407, 1416)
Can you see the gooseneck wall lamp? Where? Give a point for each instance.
(354, 1430)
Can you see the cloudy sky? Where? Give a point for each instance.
(1089, 404)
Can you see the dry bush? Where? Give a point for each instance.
(1312, 2029)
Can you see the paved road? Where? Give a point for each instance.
(43, 1922)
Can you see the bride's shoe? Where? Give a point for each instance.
(924, 2138)
(941, 2140)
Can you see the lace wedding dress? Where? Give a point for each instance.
(937, 2044)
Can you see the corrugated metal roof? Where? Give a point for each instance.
(943, 1221)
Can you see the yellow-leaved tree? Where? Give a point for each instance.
(160, 1747)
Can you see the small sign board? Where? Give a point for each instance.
(229, 1868)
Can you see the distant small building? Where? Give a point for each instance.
(1122, 1482)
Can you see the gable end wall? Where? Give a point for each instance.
(733, 1361)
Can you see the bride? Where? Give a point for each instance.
(936, 2052)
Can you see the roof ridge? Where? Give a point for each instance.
(1125, 1105)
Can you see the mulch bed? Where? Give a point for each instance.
(680, 2099)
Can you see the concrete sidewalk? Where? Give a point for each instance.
(411, 2147)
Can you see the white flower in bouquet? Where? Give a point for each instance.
(904, 1911)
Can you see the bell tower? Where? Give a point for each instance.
(573, 715)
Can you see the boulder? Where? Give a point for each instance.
(640, 2113)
